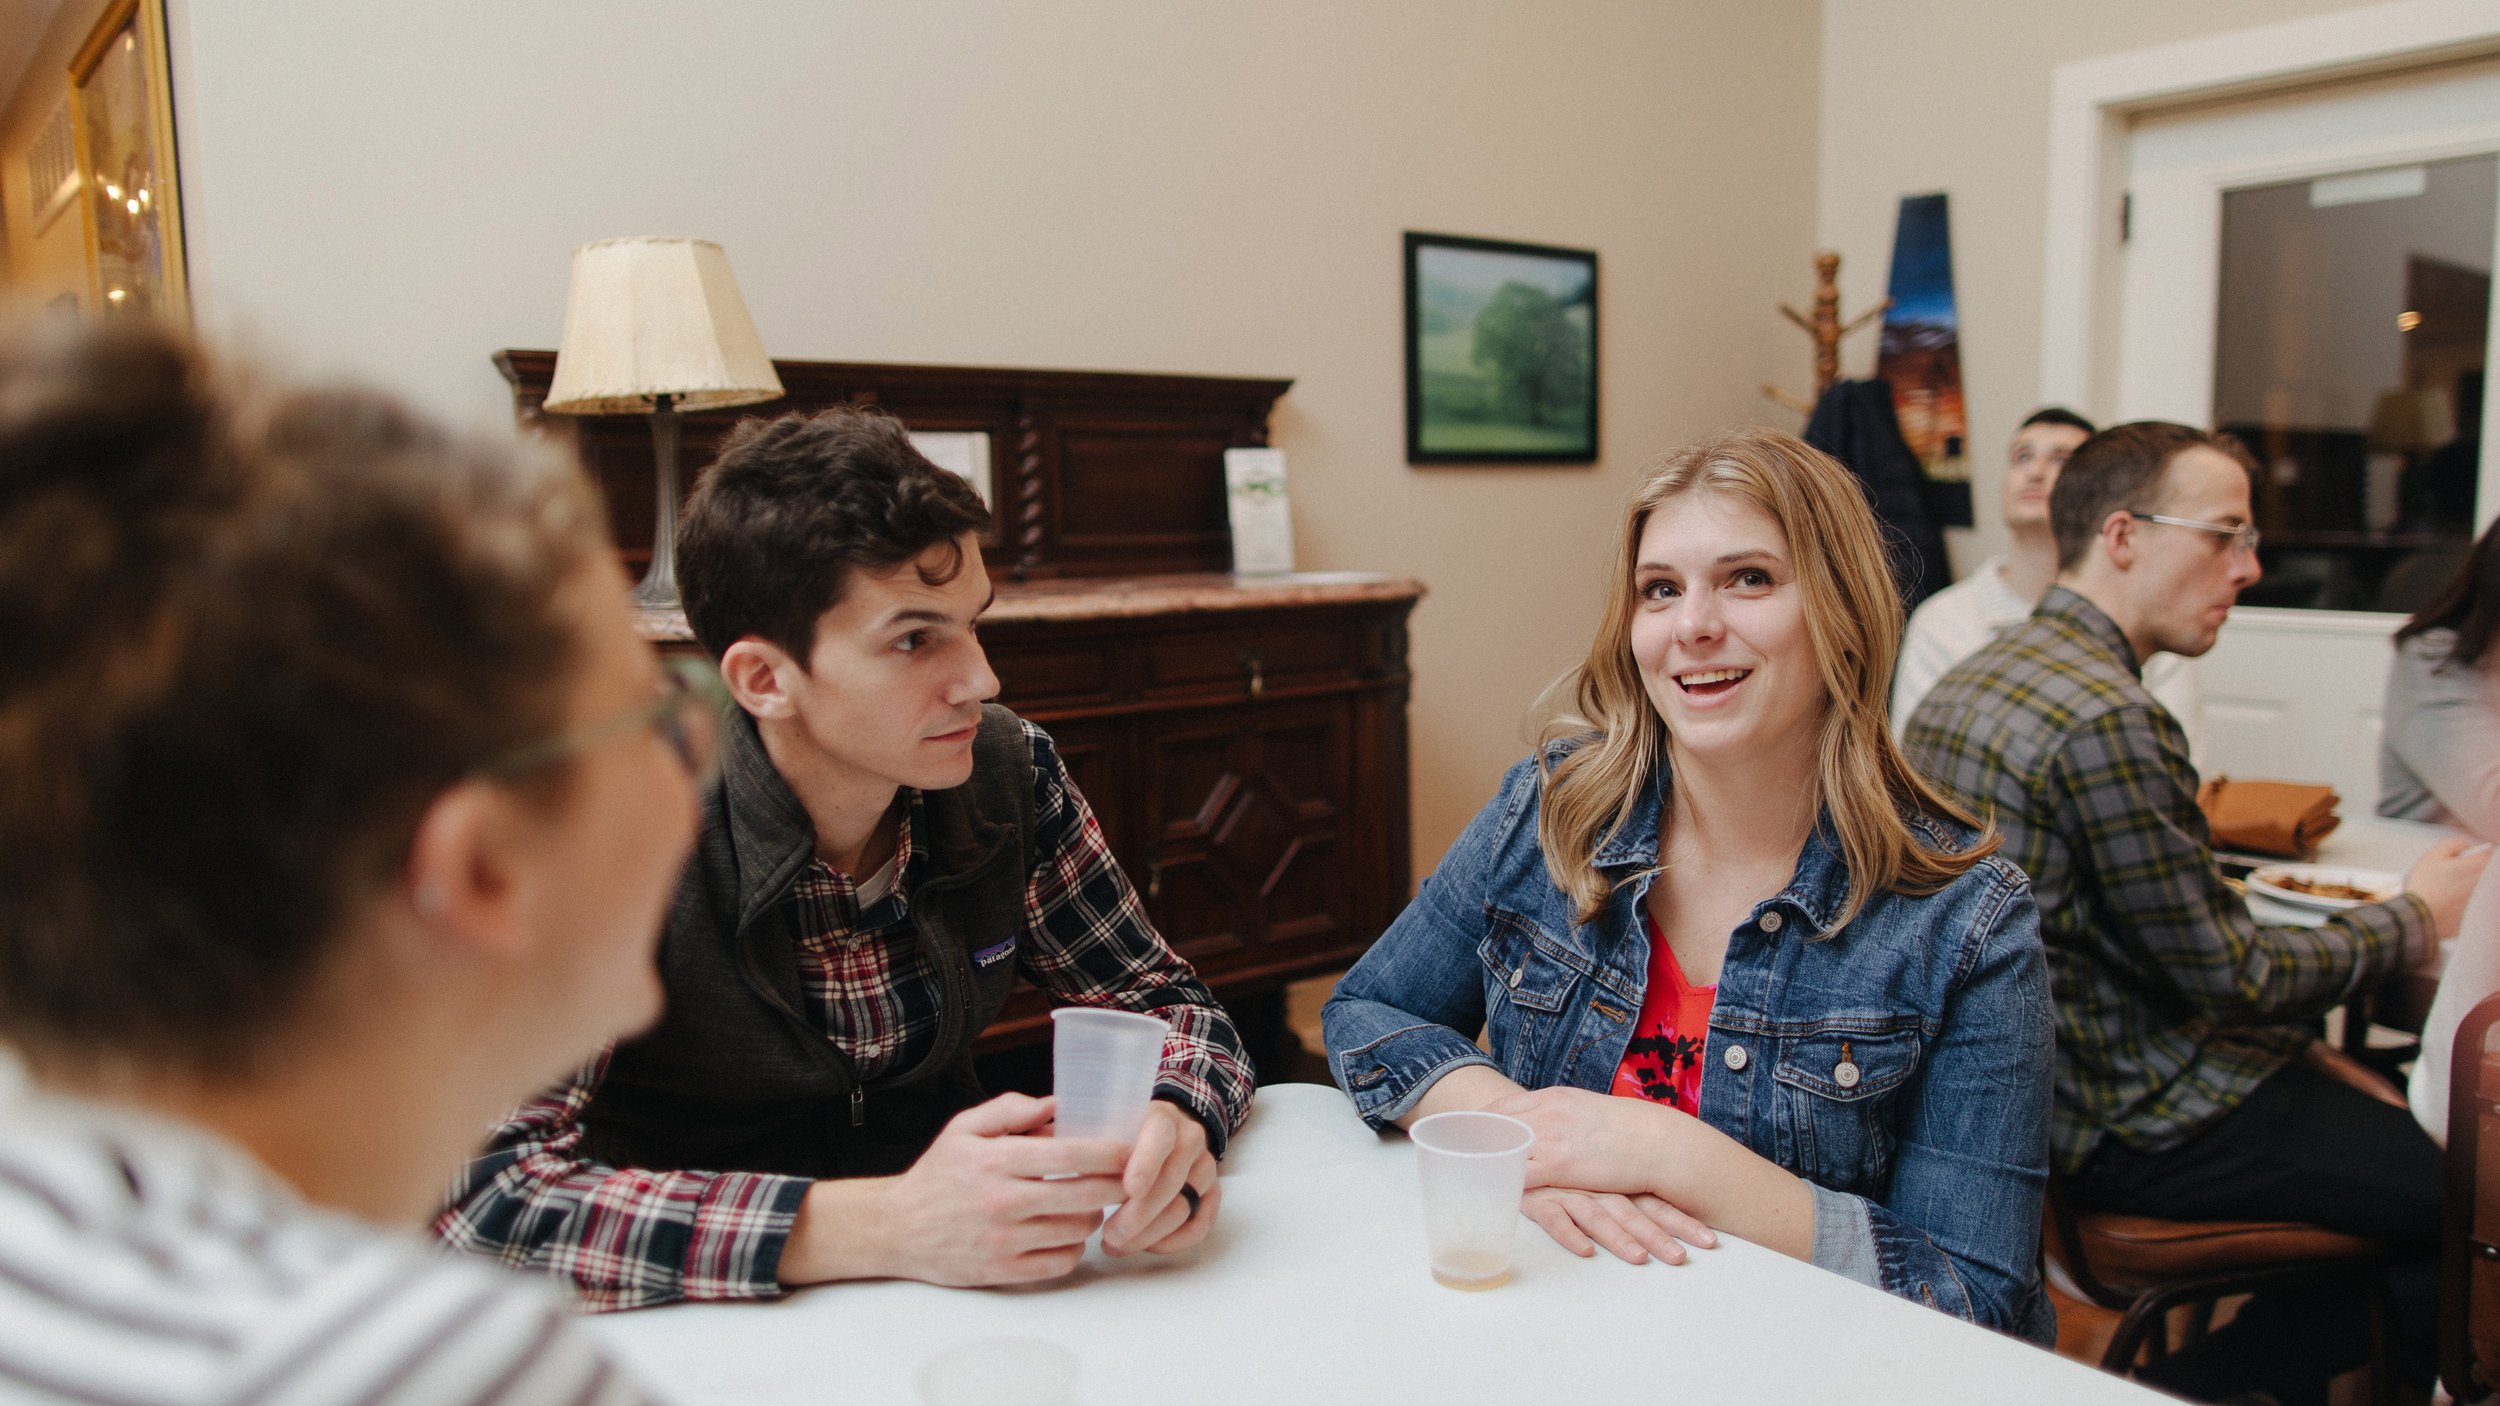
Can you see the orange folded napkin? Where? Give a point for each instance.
(2268, 817)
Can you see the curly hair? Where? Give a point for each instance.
(254, 630)
(793, 505)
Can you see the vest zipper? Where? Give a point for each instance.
(859, 1105)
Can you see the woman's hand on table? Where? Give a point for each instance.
(1592, 1140)
(1171, 1152)
(1633, 1228)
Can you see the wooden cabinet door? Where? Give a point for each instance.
(1246, 810)
(1098, 762)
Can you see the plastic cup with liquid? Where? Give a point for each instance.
(1000, 1372)
(1473, 1167)
(1102, 1069)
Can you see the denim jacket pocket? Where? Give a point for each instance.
(1840, 1091)
(1529, 980)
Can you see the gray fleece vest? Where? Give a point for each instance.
(735, 1077)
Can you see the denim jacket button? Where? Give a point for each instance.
(1845, 1074)
(1771, 921)
(1516, 973)
(1735, 1057)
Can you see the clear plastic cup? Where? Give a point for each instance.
(1102, 1068)
(1473, 1167)
(1000, 1372)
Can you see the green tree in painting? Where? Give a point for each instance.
(1524, 338)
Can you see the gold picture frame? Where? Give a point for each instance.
(130, 196)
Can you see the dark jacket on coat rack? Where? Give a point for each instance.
(1854, 423)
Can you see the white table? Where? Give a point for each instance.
(1314, 1289)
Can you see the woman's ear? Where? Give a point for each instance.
(462, 881)
(758, 675)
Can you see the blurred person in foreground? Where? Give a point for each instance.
(341, 805)
(1737, 966)
(2191, 1083)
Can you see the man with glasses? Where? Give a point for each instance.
(884, 854)
(2191, 1083)
(1949, 626)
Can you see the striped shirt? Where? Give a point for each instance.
(631, 1238)
(148, 1263)
(2173, 1004)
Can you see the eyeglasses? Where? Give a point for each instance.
(2243, 537)
(686, 714)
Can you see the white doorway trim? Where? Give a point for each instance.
(2091, 100)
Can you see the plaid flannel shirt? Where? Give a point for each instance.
(2173, 1003)
(628, 1238)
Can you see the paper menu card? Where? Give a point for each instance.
(1262, 517)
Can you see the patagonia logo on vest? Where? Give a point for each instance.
(992, 956)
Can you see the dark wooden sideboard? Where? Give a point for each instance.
(1242, 739)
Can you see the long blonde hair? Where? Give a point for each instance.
(1853, 618)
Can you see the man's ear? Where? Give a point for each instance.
(760, 676)
(462, 882)
(2118, 538)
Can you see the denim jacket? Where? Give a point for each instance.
(1927, 1158)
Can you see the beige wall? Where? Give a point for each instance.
(1926, 95)
(1143, 186)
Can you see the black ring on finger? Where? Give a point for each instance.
(1189, 1194)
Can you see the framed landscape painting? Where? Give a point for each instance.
(1501, 352)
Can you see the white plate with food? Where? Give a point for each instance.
(2326, 888)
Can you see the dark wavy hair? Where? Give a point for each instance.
(253, 631)
(2469, 604)
(793, 506)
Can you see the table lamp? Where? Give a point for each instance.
(655, 326)
(2411, 420)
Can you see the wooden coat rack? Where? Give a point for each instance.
(1826, 328)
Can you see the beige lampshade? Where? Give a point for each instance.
(651, 316)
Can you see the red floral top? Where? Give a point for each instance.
(1663, 1062)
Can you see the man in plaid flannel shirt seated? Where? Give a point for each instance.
(2191, 1084)
(882, 855)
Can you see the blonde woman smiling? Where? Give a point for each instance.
(1739, 967)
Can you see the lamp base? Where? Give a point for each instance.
(658, 590)
(656, 593)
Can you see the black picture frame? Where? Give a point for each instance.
(1521, 390)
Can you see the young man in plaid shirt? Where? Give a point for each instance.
(2190, 1080)
(883, 855)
